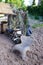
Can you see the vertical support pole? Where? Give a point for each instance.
(1, 27)
(9, 21)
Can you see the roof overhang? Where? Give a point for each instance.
(5, 8)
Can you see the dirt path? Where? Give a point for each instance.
(34, 58)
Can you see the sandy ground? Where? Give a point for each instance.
(34, 58)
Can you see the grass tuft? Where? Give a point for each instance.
(37, 25)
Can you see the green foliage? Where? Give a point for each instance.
(6, 1)
(42, 3)
(36, 17)
(35, 10)
(17, 3)
(37, 25)
(33, 2)
(0, 0)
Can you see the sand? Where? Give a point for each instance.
(7, 57)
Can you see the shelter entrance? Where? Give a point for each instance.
(5, 9)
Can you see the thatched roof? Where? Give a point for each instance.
(5, 8)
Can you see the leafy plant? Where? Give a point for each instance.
(36, 10)
(17, 3)
(33, 2)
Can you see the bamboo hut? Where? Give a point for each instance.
(5, 9)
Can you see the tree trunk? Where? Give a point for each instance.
(33, 2)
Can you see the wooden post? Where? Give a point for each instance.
(1, 27)
(9, 21)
